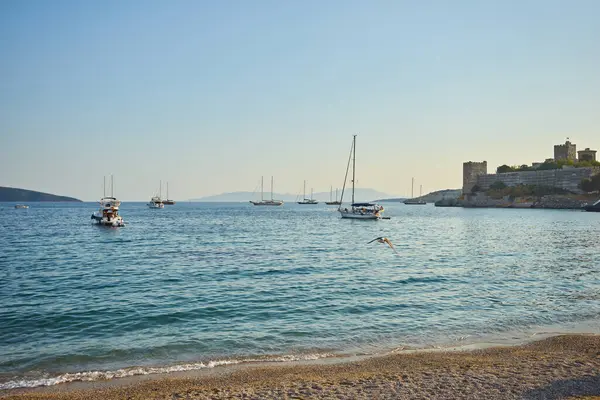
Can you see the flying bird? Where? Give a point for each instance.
(385, 240)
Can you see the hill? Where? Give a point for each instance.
(431, 197)
(24, 195)
(359, 194)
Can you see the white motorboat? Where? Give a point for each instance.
(156, 202)
(263, 202)
(21, 206)
(108, 214)
(370, 211)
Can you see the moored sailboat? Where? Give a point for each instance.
(305, 200)
(412, 200)
(357, 210)
(168, 202)
(331, 202)
(263, 202)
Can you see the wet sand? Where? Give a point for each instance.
(561, 367)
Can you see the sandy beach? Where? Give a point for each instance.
(561, 367)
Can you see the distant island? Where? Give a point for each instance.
(430, 197)
(9, 194)
(360, 194)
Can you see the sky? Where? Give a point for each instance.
(212, 95)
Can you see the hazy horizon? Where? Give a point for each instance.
(212, 96)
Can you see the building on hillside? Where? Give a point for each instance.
(586, 155)
(567, 178)
(471, 170)
(567, 151)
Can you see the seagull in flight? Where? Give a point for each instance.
(385, 240)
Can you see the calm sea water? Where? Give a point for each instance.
(197, 285)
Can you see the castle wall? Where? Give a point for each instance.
(566, 178)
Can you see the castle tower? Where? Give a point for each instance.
(471, 170)
(567, 151)
(586, 155)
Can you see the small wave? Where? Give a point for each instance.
(89, 376)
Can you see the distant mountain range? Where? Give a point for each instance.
(24, 196)
(359, 195)
(431, 197)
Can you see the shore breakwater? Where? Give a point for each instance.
(556, 202)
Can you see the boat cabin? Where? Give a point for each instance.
(365, 208)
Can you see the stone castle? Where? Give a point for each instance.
(475, 173)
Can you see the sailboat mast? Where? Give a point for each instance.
(112, 186)
(353, 166)
(104, 188)
(330, 193)
(412, 188)
(304, 191)
(346, 176)
(336, 196)
(261, 188)
(420, 190)
(167, 190)
(271, 188)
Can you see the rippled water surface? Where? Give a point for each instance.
(196, 285)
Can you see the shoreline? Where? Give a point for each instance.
(555, 367)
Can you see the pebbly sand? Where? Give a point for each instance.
(561, 367)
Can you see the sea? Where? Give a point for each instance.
(202, 285)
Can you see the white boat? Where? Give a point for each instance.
(371, 211)
(21, 206)
(108, 214)
(156, 201)
(412, 200)
(263, 202)
(305, 200)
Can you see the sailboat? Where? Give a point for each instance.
(266, 202)
(156, 201)
(357, 210)
(108, 214)
(331, 202)
(305, 200)
(412, 200)
(167, 201)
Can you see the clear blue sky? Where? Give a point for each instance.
(211, 95)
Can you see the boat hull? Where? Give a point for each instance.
(113, 222)
(169, 202)
(267, 203)
(333, 203)
(358, 215)
(156, 205)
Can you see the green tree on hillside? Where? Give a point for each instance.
(503, 169)
(591, 184)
